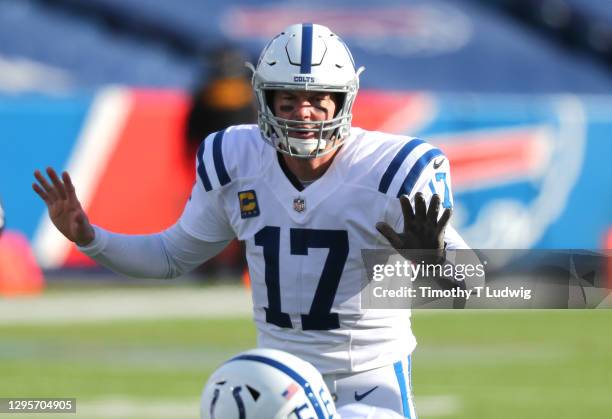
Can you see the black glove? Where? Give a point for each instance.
(422, 230)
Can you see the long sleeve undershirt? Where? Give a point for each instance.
(163, 255)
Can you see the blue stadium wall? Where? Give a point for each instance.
(528, 171)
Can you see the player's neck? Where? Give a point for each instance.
(309, 169)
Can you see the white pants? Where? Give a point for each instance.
(389, 387)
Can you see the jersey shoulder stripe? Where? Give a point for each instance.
(201, 169)
(224, 178)
(403, 161)
(416, 170)
(211, 166)
(395, 164)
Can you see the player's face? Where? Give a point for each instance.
(303, 106)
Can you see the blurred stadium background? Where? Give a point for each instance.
(518, 93)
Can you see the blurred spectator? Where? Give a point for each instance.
(223, 97)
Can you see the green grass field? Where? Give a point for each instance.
(475, 364)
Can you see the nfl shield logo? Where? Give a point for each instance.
(299, 205)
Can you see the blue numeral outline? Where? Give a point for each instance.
(446, 203)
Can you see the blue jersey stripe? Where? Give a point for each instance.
(410, 371)
(218, 159)
(302, 382)
(201, 169)
(401, 380)
(306, 59)
(397, 161)
(432, 188)
(416, 170)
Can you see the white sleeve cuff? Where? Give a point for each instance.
(98, 244)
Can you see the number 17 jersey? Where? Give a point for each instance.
(303, 245)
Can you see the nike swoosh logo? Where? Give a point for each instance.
(358, 397)
(438, 163)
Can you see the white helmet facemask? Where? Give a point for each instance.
(305, 57)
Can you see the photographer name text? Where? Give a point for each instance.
(429, 292)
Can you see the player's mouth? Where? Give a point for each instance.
(302, 135)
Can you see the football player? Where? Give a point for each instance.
(306, 192)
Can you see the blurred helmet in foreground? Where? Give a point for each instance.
(266, 384)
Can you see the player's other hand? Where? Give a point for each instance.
(64, 208)
(422, 228)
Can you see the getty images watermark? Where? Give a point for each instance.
(488, 279)
(409, 271)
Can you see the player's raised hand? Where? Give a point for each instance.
(422, 228)
(64, 208)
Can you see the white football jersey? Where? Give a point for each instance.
(304, 247)
(363, 411)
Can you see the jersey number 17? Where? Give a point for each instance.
(320, 316)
